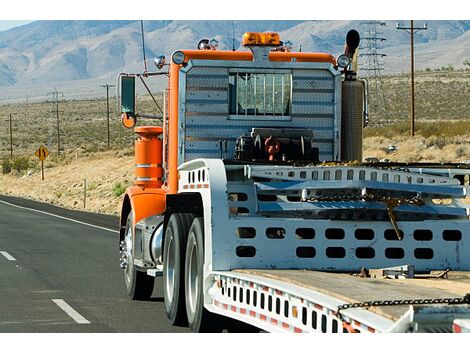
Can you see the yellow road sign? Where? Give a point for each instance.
(41, 153)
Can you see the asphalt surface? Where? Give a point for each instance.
(58, 275)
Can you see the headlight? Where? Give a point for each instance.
(178, 57)
(343, 61)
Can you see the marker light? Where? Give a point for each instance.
(178, 57)
(271, 38)
(254, 38)
(343, 61)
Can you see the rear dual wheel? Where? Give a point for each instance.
(199, 318)
(183, 275)
(174, 248)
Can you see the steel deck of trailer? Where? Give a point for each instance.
(351, 289)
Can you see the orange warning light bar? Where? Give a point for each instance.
(255, 38)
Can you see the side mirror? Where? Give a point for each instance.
(128, 101)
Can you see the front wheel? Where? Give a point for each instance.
(199, 318)
(139, 286)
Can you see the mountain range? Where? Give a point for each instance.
(78, 55)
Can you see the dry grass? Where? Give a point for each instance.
(82, 123)
(439, 96)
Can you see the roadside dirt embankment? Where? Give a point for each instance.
(107, 174)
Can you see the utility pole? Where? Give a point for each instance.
(107, 86)
(11, 139)
(412, 30)
(55, 102)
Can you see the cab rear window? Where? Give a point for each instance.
(260, 94)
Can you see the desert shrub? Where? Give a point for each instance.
(461, 152)
(92, 186)
(6, 166)
(20, 163)
(119, 189)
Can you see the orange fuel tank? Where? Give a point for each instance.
(148, 157)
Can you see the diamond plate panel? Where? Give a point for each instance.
(312, 108)
(207, 117)
(314, 97)
(208, 95)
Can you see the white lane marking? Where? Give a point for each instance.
(7, 255)
(72, 313)
(60, 217)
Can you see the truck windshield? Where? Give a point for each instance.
(260, 94)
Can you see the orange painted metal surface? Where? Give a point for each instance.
(275, 56)
(146, 202)
(148, 157)
(172, 138)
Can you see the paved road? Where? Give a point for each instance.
(62, 276)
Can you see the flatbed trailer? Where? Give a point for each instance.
(253, 203)
(308, 301)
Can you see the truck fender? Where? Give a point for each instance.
(144, 202)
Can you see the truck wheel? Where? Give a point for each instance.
(174, 247)
(199, 318)
(139, 285)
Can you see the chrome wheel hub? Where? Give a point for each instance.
(192, 279)
(126, 250)
(170, 267)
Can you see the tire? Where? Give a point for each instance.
(174, 248)
(139, 286)
(199, 318)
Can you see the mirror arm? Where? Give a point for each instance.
(148, 90)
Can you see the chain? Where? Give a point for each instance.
(371, 198)
(458, 300)
(351, 329)
(390, 201)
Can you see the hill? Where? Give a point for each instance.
(78, 56)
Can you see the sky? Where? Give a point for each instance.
(242, 9)
(7, 24)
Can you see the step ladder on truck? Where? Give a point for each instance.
(252, 202)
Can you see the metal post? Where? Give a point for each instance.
(42, 170)
(11, 139)
(84, 193)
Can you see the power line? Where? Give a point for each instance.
(411, 31)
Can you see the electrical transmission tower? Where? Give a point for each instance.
(373, 66)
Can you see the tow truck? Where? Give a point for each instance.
(254, 205)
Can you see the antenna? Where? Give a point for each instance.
(233, 36)
(143, 44)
